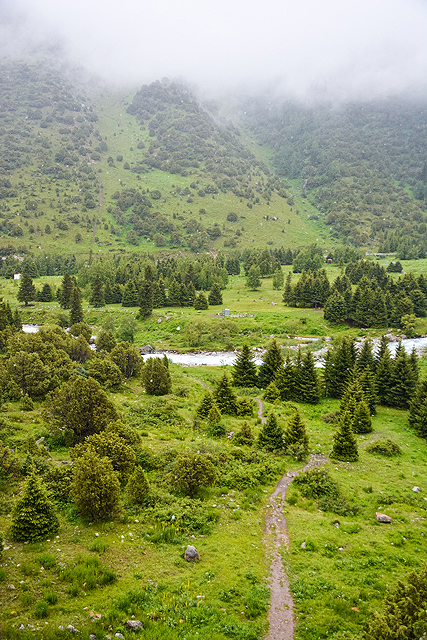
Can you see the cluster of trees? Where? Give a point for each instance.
(377, 299)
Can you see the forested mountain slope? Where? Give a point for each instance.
(364, 165)
(84, 167)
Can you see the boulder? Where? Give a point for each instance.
(134, 625)
(72, 629)
(381, 517)
(303, 545)
(416, 489)
(191, 554)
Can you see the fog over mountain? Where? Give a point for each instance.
(343, 49)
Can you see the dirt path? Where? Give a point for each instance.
(276, 537)
(260, 409)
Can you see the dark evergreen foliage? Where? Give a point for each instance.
(271, 361)
(270, 436)
(33, 516)
(344, 443)
(244, 369)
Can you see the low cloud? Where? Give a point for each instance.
(368, 48)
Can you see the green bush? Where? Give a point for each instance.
(384, 448)
(51, 597)
(189, 515)
(42, 609)
(315, 483)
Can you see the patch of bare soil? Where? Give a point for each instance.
(280, 616)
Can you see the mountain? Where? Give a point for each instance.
(363, 165)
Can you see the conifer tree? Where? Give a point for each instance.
(402, 382)
(67, 286)
(215, 295)
(174, 294)
(345, 444)
(308, 382)
(288, 294)
(33, 516)
(418, 410)
(366, 357)
(159, 295)
(361, 418)
(201, 302)
(205, 405)
(271, 361)
(214, 415)
(272, 393)
(338, 367)
(76, 309)
(253, 279)
(108, 294)
(278, 279)
(368, 383)
(244, 437)
(156, 377)
(97, 297)
(336, 309)
(27, 291)
(271, 434)
(225, 397)
(244, 369)
(285, 380)
(383, 377)
(137, 488)
(45, 294)
(296, 434)
(105, 341)
(95, 488)
(130, 297)
(146, 299)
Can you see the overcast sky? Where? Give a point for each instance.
(349, 48)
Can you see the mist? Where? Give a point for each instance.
(341, 49)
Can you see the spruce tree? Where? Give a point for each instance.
(345, 444)
(335, 308)
(383, 378)
(201, 302)
(253, 280)
(130, 297)
(105, 341)
(308, 382)
(65, 292)
(402, 382)
(285, 380)
(225, 397)
(295, 434)
(272, 393)
(137, 488)
(205, 405)
(271, 434)
(156, 377)
(244, 437)
(33, 516)
(76, 309)
(97, 297)
(368, 383)
(244, 369)
(95, 488)
(174, 294)
(27, 291)
(108, 294)
(278, 279)
(418, 410)
(365, 357)
(361, 418)
(45, 294)
(146, 299)
(271, 361)
(215, 295)
(288, 294)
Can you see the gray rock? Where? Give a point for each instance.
(134, 624)
(21, 626)
(11, 587)
(336, 525)
(191, 554)
(72, 629)
(92, 637)
(381, 517)
(120, 636)
(303, 545)
(417, 489)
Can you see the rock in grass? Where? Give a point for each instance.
(381, 517)
(416, 489)
(191, 554)
(72, 629)
(134, 624)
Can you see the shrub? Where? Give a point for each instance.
(95, 488)
(192, 471)
(316, 483)
(33, 517)
(384, 448)
(42, 609)
(137, 488)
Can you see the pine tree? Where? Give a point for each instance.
(130, 297)
(272, 393)
(366, 357)
(225, 397)
(95, 488)
(335, 309)
(308, 382)
(97, 297)
(285, 380)
(288, 294)
(137, 488)
(278, 279)
(105, 341)
(271, 434)
(33, 516)
(253, 280)
(244, 369)
(174, 294)
(27, 290)
(201, 302)
(402, 383)
(205, 405)
(361, 418)
(271, 361)
(215, 295)
(76, 309)
(368, 383)
(45, 294)
(296, 434)
(244, 437)
(156, 377)
(338, 367)
(418, 410)
(383, 378)
(65, 292)
(146, 299)
(108, 294)
(345, 444)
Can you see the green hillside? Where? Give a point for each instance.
(85, 168)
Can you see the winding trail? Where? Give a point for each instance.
(260, 409)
